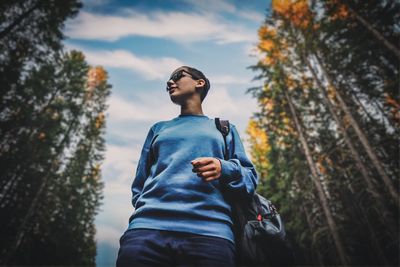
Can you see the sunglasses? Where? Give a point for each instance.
(180, 74)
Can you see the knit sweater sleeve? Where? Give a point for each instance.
(238, 174)
(143, 167)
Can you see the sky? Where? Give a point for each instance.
(140, 43)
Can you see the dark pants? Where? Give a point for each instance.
(145, 247)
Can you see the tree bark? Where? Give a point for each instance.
(363, 139)
(331, 108)
(315, 177)
(374, 32)
(319, 257)
(356, 156)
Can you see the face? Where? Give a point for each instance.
(182, 86)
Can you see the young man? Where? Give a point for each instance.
(182, 216)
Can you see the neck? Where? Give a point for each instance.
(191, 109)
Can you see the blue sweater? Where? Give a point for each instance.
(168, 195)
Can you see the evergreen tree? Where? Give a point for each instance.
(51, 138)
(318, 67)
(59, 168)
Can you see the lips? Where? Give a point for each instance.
(171, 90)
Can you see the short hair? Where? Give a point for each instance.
(200, 75)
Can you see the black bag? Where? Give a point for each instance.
(260, 235)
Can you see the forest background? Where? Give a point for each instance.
(320, 120)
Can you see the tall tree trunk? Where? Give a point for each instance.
(22, 229)
(377, 247)
(315, 254)
(8, 187)
(363, 139)
(315, 177)
(331, 108)
(319, 257)
(374, 32)
(13, 182)
(26, 221)
(388, 121)
(360, 165)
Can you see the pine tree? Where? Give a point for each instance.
(316, 66)
(77, 112)
(51, 138)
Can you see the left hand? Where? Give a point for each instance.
(207, 168)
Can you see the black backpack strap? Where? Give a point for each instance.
(223, 127)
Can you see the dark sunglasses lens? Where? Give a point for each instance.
(177, 75)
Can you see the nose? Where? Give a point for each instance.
(169, 84)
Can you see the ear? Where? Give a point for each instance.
(200, 83)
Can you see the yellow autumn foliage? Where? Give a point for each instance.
(260, 147)
(42, 136)
(96, 170)
(290, 83)
(286, 120)
(341, 11)
(346, 121)
(268, 61)
(266, 31)
(273, 58)
(269, 105)
(99, 121)
(266, 45)
(331, 93)
(321, 168)
(394, 107)
(391, 101)
(320, 163)
(96, 76)
(306, 82)
(296, 11)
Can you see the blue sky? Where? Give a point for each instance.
(140, 43)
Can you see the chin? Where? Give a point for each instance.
(175, 100)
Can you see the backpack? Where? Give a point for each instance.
(260, 235)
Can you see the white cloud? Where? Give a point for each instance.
(119, 164)
(124, 114)
(223, 6)
(118, 173)
(228, 79)
(251, 50)
(220, 103)
(149, 68)
(252, 15)
(212, 6)
(94, 3)
(176, 26)
(153, 68)
(144, 108)
(108, 234)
